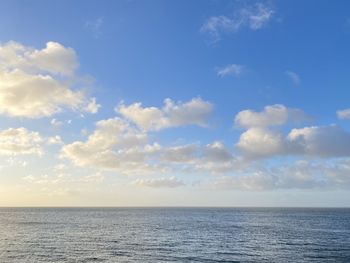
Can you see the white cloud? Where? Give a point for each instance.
(117, 146)
(54, 140)
(230, 70)
(92, 106)
(194, 112)
(254, 17)
(162, 182)
(293, 76)
(271, 115)
(18, 141)
(260, 143)
(257, 16)
(326, 141)
(114, 145)
(54, 58)
(34, 96)
(38, 83)
(343, 114)
(216, 25)
(56, 123)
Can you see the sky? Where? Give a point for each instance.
(175, 103)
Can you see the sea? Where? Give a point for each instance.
(174, 235)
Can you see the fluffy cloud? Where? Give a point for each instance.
(119, 146)
(38, 83)
(272, 115)
(230, 70)
(253, 17)
(18, 141)
(259, 143)
(215, 158)
(54, 58)
(194, 112)
(162, 182)
(324, 141)
(114, 145)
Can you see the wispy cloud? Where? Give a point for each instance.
(230, 70)
(95, 26)
(254, 17)
(163, 182)
(343, 114)
(294, 77)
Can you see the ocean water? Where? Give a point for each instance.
(174, 235)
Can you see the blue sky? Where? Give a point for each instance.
(258, 107)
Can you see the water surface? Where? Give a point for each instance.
(174, 235)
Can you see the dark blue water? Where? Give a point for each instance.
(174, 235)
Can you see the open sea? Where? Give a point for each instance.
(174, 235)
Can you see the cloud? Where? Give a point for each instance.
(118, 145)
(20, 141)
(124, 146)
(162, 182)
(343, 114)
(194, 112)
(95, 26)
(56, 123)
(254, 17)
(92, 106)
(54, 58)
(272, 115)
(323, 141)
(293, 76)
(54, 140)
(180, 154)
(38, 83)
(215, 158)
(114, 145)
(298, 175)
(260, 143)
(216, 25)
(94, 178)
(257, 16)
(230, 70)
